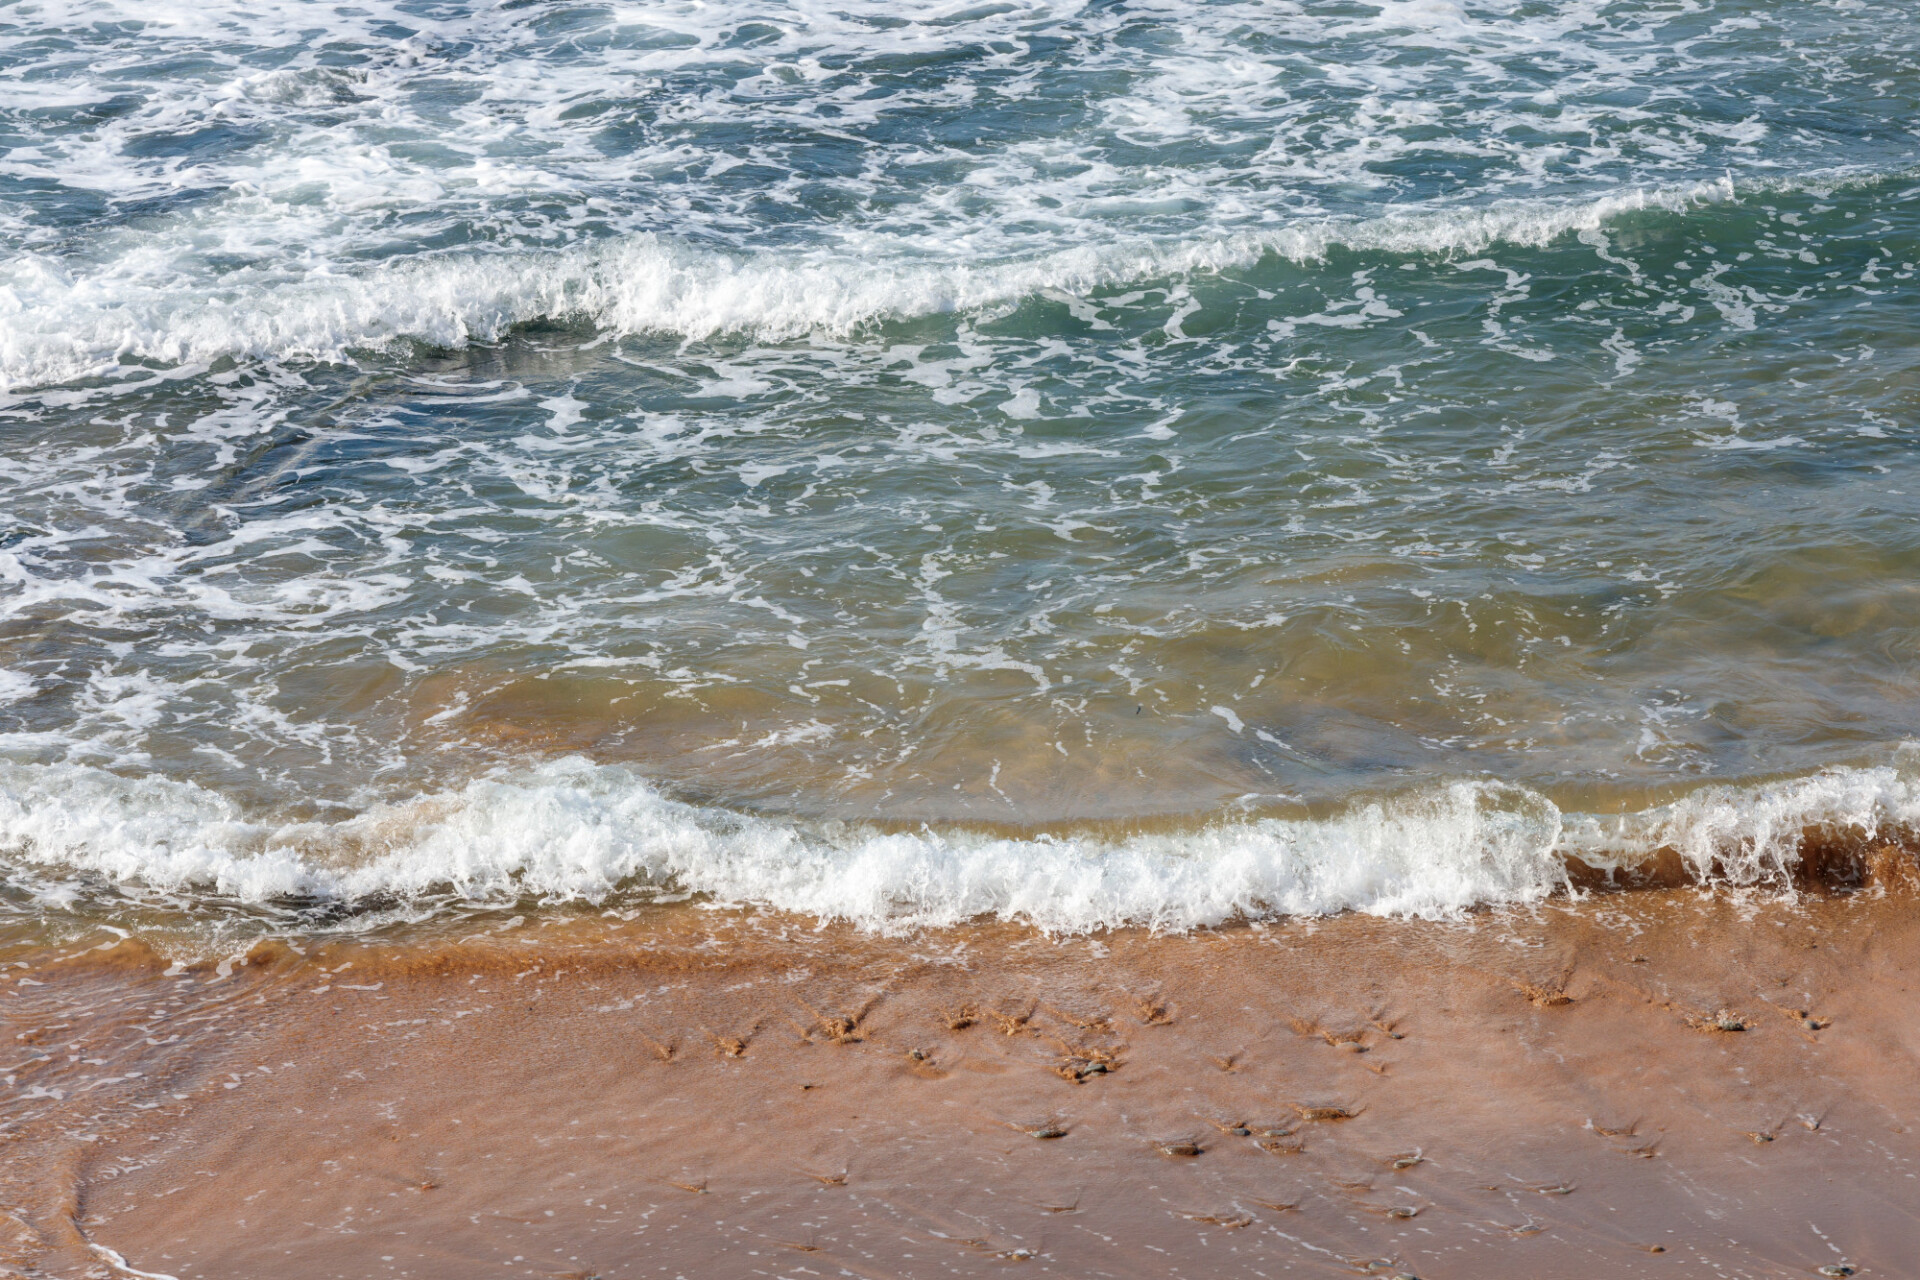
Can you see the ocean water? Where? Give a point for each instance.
(1090, 463)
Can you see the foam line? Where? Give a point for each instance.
(570, 830)
(57, 326)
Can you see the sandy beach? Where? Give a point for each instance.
(1651, 1083)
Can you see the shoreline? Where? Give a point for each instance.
(1599, 1087)
(572, 835)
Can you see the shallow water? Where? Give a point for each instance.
(1090, 463)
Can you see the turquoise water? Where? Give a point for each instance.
(1088, 462)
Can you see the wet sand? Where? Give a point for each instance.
(1653, 1083)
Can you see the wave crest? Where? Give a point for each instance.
(570, 830)
(57, 326)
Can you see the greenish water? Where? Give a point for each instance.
(1082, 462)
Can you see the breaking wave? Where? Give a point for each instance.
(570, 830)
(57, 325)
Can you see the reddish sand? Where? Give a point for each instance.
(1655, 1083)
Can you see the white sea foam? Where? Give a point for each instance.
(1744, 835)
(286, 180)
(570, 830)
(56, 326)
